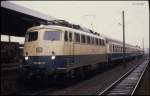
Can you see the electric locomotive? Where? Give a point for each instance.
(55, 49)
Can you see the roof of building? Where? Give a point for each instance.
(17, 19)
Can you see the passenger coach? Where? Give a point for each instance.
(115, 50)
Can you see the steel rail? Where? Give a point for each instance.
(139, 80)
(117, 82)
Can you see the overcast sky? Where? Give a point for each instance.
(106, 16)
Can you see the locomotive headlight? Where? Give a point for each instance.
(26, 58)
(53, 57)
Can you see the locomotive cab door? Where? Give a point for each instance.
(71, 40)
(69, 47)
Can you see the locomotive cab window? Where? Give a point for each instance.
(31, 36)
(52, 35)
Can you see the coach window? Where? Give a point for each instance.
(77, 37)
(70, 36)
(66, 36)
(88, 39)
(113, 48)
(52, 35)
(110, 48)
(117, 49)
(82, 38)
(120, 48)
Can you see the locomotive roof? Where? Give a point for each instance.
(62, 28)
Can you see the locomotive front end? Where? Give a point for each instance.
(42, 52)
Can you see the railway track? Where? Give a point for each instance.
(52, 87)
(127, 84)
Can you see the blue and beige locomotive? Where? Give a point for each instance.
(67, 48)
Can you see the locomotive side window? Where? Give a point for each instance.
(96, 41)
(53, 36)
(104, 42)
(77, 37)
(92, 39)
(31, 36)
(82, 38)
(99, 41)
(70, 36)
(66, 36)
(88, 39)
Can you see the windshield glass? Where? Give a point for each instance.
(31, 36)
(52, 35)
